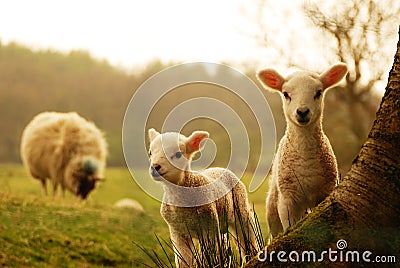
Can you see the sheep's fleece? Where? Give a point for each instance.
(66, 149)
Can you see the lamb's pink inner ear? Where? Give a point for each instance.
(333, 75)
(194, 142)
(271, 78)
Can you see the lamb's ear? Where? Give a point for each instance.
(152, 134)
(196, 141)
(333, 75)
(271, 79)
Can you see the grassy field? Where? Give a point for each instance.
(37, 231)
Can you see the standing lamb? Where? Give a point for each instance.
(66, 149)
(305, 170)
(204, 212)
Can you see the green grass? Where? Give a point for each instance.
(37, 231)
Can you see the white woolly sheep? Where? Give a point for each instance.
(66, 149)
(170, 156)
(305, 170)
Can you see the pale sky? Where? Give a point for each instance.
(130, 33)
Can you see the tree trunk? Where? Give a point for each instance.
(364, 210)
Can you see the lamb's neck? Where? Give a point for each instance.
(172, 194)
(307, 137)
(185, 192)
(190, 179)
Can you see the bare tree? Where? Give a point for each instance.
(352, 31)
(364, 210)
(360, 29)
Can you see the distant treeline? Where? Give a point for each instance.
(35, 81)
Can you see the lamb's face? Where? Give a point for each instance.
(303, 92)
(168, 159)
(302, 97)
(171, 153)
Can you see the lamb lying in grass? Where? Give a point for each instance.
(305, 170)
(222, 204)
(66, 149)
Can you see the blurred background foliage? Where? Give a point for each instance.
(354, 32)
(35, 81)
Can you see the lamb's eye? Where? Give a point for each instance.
(318, 94)
(178, 154)
(286, 95)
(149, 153)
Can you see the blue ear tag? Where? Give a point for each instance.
(178, 154)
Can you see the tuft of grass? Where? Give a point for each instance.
(165, 259)
(213, 249)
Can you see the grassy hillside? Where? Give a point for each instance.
(37, 231)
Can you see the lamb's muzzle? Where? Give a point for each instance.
(302, 115)
(154, 172)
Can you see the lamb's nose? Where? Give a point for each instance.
(154, 171)
(156, 167)
(303, 112)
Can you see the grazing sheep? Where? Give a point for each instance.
(305, 170)
(220, 206)
(66, 149)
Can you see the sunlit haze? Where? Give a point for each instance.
(130, 33)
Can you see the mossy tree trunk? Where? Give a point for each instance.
(364, 209)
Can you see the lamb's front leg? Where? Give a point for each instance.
(273, 219)
(290, 211)
(183, 248)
